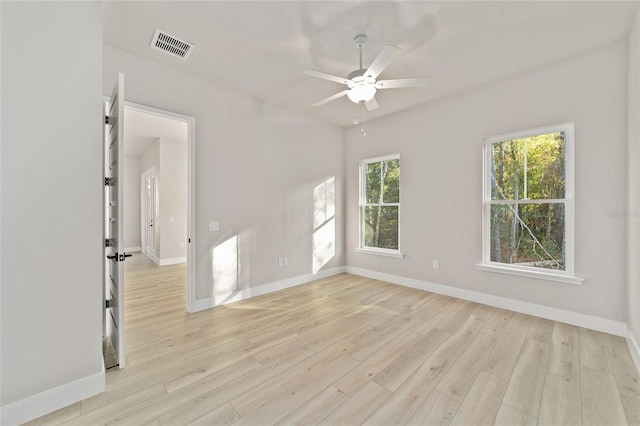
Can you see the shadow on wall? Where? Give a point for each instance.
(324, 226)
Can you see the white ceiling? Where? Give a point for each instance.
(261, 47)
(143, 129)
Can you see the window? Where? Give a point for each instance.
(528, 203)
(380, 206)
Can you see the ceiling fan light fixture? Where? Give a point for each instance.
(362, 83)
(362, 92)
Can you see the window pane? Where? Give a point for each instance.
(383, 177)
(391, 181)
(381, 227)
(528, 235)
(373, 183)
(506, 170)
(545, 166)
(530, 168)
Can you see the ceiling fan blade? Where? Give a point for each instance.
(331, 98)
(325, 76)
(402, 82)
(388, 54)
(371, 104)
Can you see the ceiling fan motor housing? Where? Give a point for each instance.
(358, 75)
(362, 88)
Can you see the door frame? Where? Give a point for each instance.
(191, 181)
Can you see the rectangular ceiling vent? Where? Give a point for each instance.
(171, 45)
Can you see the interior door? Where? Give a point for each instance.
(114, 241)
(150, 190)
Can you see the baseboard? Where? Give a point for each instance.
(131, 249)
(574, 318)
(210, 302)
(152, 257)
(634, 348)
(51, 400)
(202, 304)
(172, 261)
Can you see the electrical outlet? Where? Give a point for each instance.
(436, 264)
(280, 262)
(285, 261)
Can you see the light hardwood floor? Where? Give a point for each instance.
(348, 350)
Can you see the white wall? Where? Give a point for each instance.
(51, 206)
(256, 170)
(132, 185)
(440, 145)
(633, 207)
(173, 198)
(150, 158)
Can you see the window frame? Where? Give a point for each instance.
(566, 276)
(362, 248)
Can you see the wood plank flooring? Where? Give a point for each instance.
(348, 350)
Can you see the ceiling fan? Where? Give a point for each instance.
(361, 83)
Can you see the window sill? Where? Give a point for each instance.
(387, 253)
(547, 276)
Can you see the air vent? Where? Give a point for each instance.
(171, 45)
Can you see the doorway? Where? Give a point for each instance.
(159, 188)
(114, 215)
(131, 238)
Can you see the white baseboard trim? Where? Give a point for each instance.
(51, 400)
(574, 318)
(202, 304)
(172, 261)
(131, 249)
(634, 348)
(152, 257)
(210, 302)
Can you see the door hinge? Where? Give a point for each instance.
(189, 239)
(108, 119)
(109, 304)
(109, 181)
